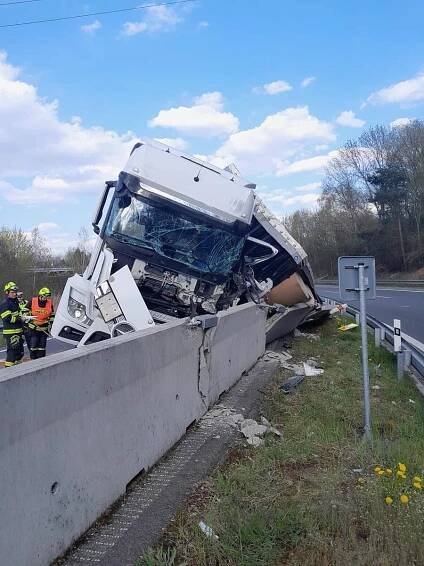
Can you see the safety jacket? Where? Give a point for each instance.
(43, 312)
(10, 317)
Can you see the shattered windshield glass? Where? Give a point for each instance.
(201, 247)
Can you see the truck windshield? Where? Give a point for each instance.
(201, 247)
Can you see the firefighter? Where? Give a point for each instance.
(25, 313)
(12, 326)
(42, 310)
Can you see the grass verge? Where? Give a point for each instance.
(315, 497)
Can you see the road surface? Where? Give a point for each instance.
(405, 304)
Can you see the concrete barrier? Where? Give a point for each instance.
(76, 427)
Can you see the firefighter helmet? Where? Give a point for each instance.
(11, 286)
(44, 292)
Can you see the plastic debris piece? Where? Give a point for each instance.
(375, 387)
(411, 401)
(358, 470)
(339, 309)
(207, 530)
(292, 383)
(346, 327)
(310, 371)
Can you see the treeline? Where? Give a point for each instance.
(372, 203)
(22, 254)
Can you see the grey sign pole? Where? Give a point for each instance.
(357, 275)
(364, 352)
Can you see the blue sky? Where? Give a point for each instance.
(275, 86)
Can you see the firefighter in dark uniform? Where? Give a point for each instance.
(25, 313)
(12, 326)
(42, 310)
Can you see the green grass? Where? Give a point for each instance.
(298, 500)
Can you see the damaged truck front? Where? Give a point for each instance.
(180, 238)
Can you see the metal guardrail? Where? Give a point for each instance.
(395, 282)
(417, 355)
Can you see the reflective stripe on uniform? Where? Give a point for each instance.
(5, 314)
(9, 364)
(12, 331)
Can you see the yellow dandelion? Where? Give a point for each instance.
(361, 480)
(404, 498)
(417, 485)
(380, 473)
(402, 467)
(377, 469)
(389, 500)
(417, 478)
(401, 474)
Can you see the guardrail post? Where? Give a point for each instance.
(377, 337)
(400, 365)
(357, 319)
(407, 359)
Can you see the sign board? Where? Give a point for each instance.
(349, 277)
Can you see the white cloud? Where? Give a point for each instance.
(408, 91)
(276, 87)
(157, 19)
(91, 28)
(399, 122)
(44, 227)
(316, 163)
(176, 143)
(203, 25)
(308, 187)
(307, 81)
(63, 160)
(279, 200)
(348, 118)
(279, 137)
(204, 118)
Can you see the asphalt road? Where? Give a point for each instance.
(405, 304)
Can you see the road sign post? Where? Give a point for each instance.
(357, 276)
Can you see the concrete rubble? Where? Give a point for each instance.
(250, 429)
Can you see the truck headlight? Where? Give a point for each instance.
(77, 310)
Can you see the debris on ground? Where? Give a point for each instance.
(349, 326)
(271, 428)
(251, 429)
(292, 383)
(339, 309)
(311, 371)
(298, 334)
(281, 357)
(375, 387)
(207, 530)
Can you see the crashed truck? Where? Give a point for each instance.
(178, 237)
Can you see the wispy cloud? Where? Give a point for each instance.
(275, 87)
(157, 19)
(408, 91)
(307, 81)
(90, 29)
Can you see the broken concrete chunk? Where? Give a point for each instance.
(255, 441)
(254, 430)
(270, 428)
